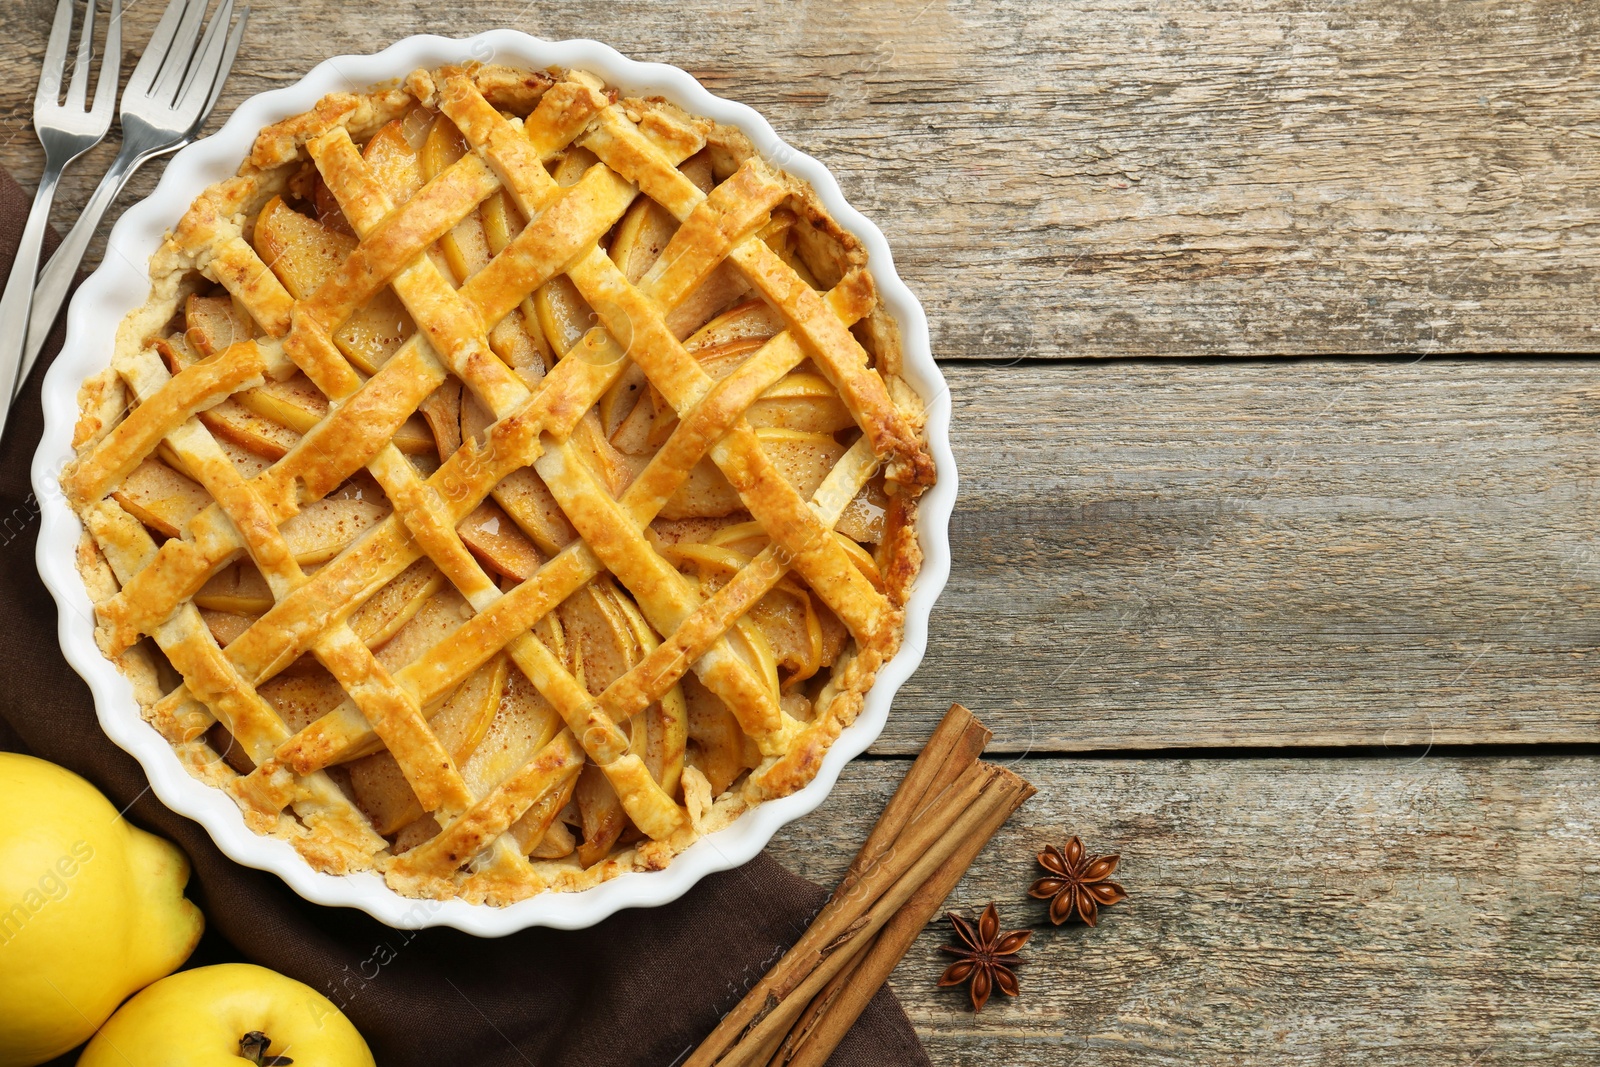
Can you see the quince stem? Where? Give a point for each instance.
(253, 1047)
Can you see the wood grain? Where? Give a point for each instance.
(1111, 177)
(1255, 553)
(1349, 911)
(1173, 553)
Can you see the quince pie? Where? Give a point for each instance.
(505, 484)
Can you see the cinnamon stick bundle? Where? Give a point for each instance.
(944, 812)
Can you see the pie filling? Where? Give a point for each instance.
(505, 484)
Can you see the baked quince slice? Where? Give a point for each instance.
(461, 722)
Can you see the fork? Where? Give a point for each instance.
(67, 131)
(164, 106)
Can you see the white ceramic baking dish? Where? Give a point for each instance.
(121, 283)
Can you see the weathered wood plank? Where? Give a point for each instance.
(1114, 177)
(1162, 553)
(1434, 911)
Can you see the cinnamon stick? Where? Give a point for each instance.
(944, 811)
(837, 927)
(943, 770)
(956, 743)
(841, 1001)
(798, 1039)
(767, 1031)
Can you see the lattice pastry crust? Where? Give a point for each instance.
(504, 485)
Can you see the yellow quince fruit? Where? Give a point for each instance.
(228, 1013)
(91, 910)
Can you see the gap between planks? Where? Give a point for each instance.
(1319, 911)
(1313, 553)
(1225, 176)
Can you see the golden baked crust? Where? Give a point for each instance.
(504, 485)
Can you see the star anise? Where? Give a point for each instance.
(987, 958)
(1077, 882)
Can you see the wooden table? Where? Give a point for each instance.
(1275, 557)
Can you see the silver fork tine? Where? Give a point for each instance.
(78, 89)
(55, 55)
(205, 59)
(144, 75)
(66, 131)
(228, 54)
(105, 87)
(155, 120)
(179, 56)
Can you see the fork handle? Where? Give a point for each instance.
(55, 281)
(19, 288)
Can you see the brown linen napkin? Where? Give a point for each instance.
(641, 988)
